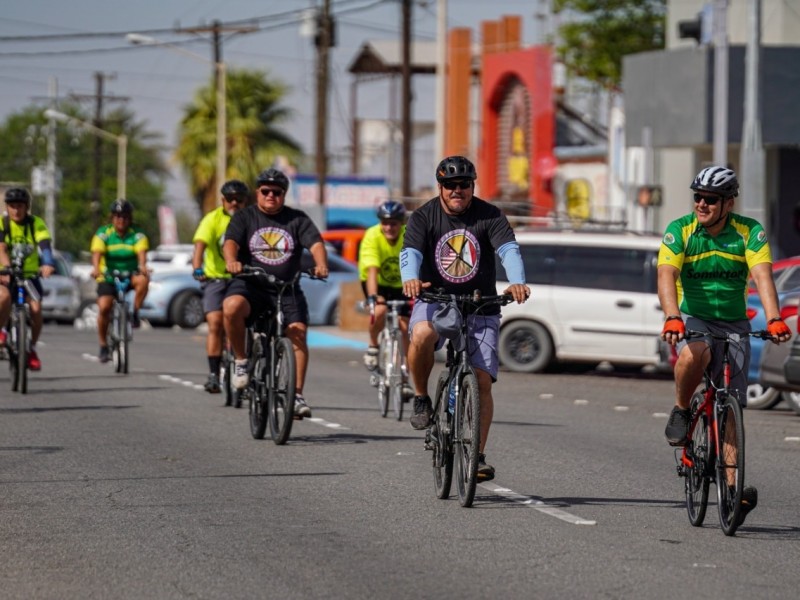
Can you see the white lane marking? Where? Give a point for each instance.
(791, 438)
(324, 423)
(546, 396)
(91, 357)
(581, 402)
(621, 408)
(660, 415)
(542, 507)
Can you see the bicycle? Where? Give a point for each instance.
(233, 397)
(455, 432)
(714, 450)
(271, 365)
(391, 375)
(120, 331)
(19, 322)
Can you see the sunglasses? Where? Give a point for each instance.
(451, 185)
(234, 199)
(710, 200)
(268, 191)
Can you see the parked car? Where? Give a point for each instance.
(175, 298)
(61, 300)
(594, 299)
(773, 356)
(760, 394)
(166, 257)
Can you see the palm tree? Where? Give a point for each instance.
(254, 138)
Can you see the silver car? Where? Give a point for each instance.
(62, 296)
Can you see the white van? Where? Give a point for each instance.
(593, 299)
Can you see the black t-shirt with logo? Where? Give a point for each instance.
(458, 250)
(272, 242)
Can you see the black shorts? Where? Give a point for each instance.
(261, 298)
(390, 293)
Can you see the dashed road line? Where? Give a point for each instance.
(542, 507)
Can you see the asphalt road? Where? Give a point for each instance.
(144, 486)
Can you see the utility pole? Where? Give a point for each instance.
(441, 74)
(51, 178)
(720, 25)
(323, 42)
(751, 158)
(406, 122)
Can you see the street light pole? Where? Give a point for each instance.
(121, 141)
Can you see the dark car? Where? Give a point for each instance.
(774, 356)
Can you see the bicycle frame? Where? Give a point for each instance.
(120, 330)
(19, 323)
(392, 374)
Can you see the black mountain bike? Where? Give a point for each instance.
(455, 433)
(19, 323)
(714, 451)
(271, 365)
(120, 331)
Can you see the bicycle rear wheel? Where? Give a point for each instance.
(121, 325)
(467, 438)
(281, 392)
(396, 375)
(697, 476)
(730, 464)
(441, 441)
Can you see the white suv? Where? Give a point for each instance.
(593, 299)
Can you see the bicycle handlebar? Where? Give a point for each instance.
(475, 298)
(254, 271)
(761, 333)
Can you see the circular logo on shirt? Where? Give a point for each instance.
(762, 236)
(669, 239)
(457, 256)
(390, 271)
(271, 246)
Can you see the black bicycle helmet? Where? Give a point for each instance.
(235, 189)
(455, 167)
(273, 176)
(391, 210)
(120, 206)
(717, 180)
(18, 194)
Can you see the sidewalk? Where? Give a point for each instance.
(334, 337)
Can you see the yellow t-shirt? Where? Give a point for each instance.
(375, 251)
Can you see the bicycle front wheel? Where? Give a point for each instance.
(467, 437)
(121, 325)
(396, 375)
(19, 354)
(257, 391)
(698, 451)
(281, 392)
(730, 464)
(440, 440)
(384, 366)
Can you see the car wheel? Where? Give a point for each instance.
(525, 347)
(793, 400)
(762, 397)
(187, 310)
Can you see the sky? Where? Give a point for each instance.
(157, 82)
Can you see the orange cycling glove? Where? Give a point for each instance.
(673, 325)
(778, 328)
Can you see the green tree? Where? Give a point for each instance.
(25, 147)
(255, 114)
(600, 32)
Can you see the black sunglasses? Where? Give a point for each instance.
(273, 191)
(451, 185)
(710, 200)
(234, 199)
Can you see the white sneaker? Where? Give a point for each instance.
(301, 409)
(371, 358)
(240, 377)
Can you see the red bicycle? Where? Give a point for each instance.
(714, 450)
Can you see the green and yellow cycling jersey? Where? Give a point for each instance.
(714, 270)
(119, 252)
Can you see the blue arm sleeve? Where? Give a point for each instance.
(512, 262)
(410, 262)
(47, 253)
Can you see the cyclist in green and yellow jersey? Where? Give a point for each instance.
(704, 263)
(16, 228)
(209, 268)
(120, 246)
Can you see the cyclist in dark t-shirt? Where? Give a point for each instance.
(450, 243)
(272, 236)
